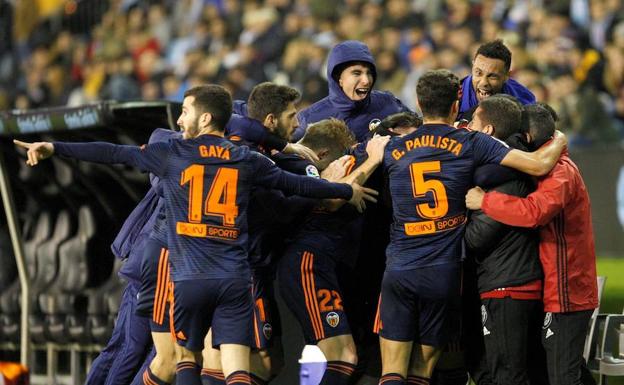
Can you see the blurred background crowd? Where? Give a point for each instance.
(60, 52)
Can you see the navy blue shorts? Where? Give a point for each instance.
(267, 325)
(223, 304)
(309, 287)
(420, 305)
(154, 293)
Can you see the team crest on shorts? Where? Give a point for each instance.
(373, 124)
(333, 319)
(547, 320)
(483, 315)
(267, 330)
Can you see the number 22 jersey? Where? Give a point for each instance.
(429, 172)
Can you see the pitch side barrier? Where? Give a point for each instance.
(61, 217)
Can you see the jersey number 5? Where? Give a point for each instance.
(221, 199)
(420, 187)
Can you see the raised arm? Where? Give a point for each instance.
(540, 162)
(149, 158)
(268, 175)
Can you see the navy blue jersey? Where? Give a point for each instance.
(430, 171)
(207, 183)
(334, 234)
(273, 215)
(159, 229)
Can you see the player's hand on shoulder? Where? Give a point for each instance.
(560, 138)
(35, 151)
(362, 194)
(376, 146)
(474, 198)
(337, 169)
(301, 150)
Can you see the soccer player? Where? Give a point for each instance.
(560, 207)
(428, 169)
(490, 76)
(271, 107)
(509, 274)
(122, 357)
(307, 270)
(207, 181)
(351, 74)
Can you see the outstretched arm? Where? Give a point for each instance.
(537, 209)
(149, 158)
(540, 162)
(270, 176)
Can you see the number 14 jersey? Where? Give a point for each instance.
(430, 171)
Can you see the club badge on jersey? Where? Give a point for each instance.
(312, 171)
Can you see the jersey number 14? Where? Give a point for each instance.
(221, 199)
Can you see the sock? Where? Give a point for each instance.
(255, 380)
(239, 377)
(457, 376)
(187, 373)
(392, 379)
(150, 379)
(337, 373)
(212, 377)
(417, 380)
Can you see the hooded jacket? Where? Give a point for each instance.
(357, 114)
(129, 243)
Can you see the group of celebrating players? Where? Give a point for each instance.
(251, 190)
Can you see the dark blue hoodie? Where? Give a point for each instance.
(357, 114)
(134, 232)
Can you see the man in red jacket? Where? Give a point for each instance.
(560, 205)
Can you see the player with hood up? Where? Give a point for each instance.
(351, 74)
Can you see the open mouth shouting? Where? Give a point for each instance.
(482, 94)
(361, 92)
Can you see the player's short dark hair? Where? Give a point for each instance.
(502, 113)
(332, 134)
(401, 119)
(214, 99)
(552, 111)
(496, 50)
(541, 123)
(437, 90)
(270, 98)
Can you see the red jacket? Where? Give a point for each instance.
(560, 205)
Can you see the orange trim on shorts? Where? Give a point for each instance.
(307, 282)
(377, 325)
(171, 310)
(162, 289)
(255, 323)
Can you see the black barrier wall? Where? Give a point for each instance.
(602, 171)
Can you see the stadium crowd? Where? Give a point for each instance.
(570, 54)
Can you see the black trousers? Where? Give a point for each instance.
(563, 337)
(511, 332)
